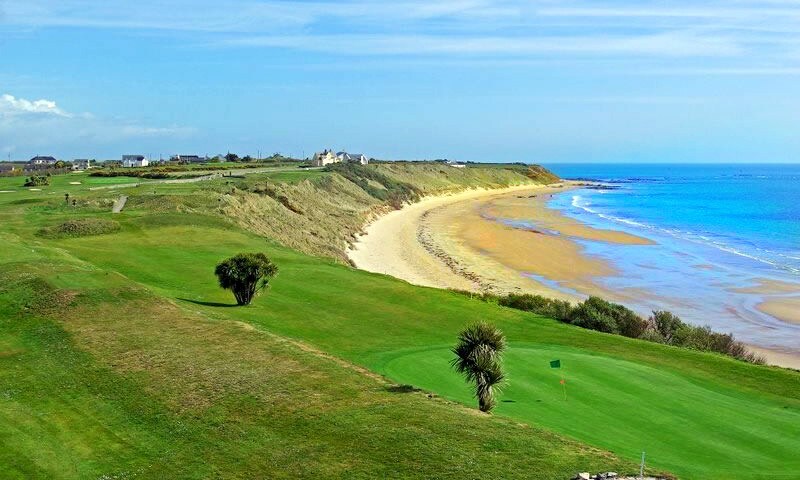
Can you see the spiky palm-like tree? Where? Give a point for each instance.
(478, 353)
(245, 274)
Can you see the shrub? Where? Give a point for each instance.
(245, 274)
(594, 314)
(601, 315)
(604, 316)
(665, 323)
(525, 301)
(154, 175)
(560, 310)
(82, 227)
(37, 181)
(651, 335)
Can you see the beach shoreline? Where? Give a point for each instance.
(455, 241)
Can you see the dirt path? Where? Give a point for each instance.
(119, 204)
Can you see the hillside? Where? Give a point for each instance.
(122, 358)
(322, 214)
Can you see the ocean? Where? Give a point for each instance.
(720, 232)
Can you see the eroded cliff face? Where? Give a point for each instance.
(323, 216)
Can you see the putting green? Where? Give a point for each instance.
(616, 404)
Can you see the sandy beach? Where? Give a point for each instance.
(508, 240)
(454, 241)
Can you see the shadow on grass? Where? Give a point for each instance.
(402, 389)
(208, 304)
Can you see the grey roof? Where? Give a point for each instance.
(351, 156)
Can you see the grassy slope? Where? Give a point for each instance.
(699, 415)
(102, 378)
(127, 385)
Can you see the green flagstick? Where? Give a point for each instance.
(557, 364)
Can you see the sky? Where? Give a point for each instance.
(484, 80)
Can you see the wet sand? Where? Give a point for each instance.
(781, 299)
(786, 309)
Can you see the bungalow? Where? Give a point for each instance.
(129, 161)
(352, 158)
(81, 164)
(40, 162)
(326, 157)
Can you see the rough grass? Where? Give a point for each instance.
(80, 227)
(123, 384)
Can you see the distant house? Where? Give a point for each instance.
(81, 164)
(189, 159)
(457, 164)
(326, 157)
(8, 167)
(352, 158)
(40, 162)
(129, 161)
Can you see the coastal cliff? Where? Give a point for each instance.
(323, 215)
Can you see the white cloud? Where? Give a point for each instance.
(766, 31)
(42, 124)
(670, 44)
(12, 106)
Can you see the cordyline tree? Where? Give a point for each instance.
(245, 274)
(478, 358)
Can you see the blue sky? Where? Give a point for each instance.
(485, 80)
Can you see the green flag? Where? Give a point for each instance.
(555, 364)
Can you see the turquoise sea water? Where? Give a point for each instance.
(717, 228)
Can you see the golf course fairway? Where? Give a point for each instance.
(685, 409)
(620, 405)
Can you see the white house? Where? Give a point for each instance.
(326, 157)
(81, 164)
(41, 162)
(352, 158)
(134, 161)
